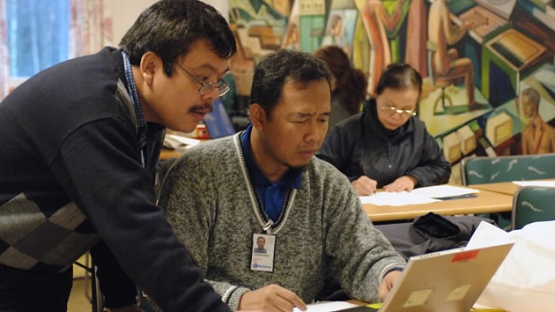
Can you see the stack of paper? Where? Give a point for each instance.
(178, 142)
(327, 306)
(396, 199)
(421, 195)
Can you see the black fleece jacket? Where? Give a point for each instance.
(361, 145)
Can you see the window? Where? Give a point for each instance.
(38, 34)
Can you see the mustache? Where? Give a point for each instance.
(203, 109)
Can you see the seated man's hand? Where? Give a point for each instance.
(364, 186)
(404, 183)
(271, 298)
(387, 283)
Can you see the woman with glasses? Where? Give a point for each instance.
(386, 145)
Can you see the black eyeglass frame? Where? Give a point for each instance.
(207, 87)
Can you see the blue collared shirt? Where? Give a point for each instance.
(272, 195)
(145, 135)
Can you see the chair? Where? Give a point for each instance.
(440, 82)
(486, 169)
(95, 297)
(532, 204)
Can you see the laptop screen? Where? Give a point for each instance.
(218, 122)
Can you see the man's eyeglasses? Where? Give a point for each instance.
(393, 109)
(207, 87)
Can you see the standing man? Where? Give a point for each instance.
(266, 182)
(81, 142)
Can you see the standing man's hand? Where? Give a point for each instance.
(404, 183)
(271, 298)
(387, 283)
(364, 186)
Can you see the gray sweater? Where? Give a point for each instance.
(212, 205)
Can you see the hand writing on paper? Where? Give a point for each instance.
(271, 298)
(387, 283)
(364, 186)
(404, 183)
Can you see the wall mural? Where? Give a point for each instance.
(488, 65)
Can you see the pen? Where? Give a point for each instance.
(471, 195)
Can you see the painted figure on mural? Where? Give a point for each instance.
(291, 40)
(376, 20)
(415, 54)
(336, 33)
(446, 63)
(538, 137)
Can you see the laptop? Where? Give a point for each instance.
(446, 281)
(218, 123)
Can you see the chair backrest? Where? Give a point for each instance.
(485, 169)
(532, 204)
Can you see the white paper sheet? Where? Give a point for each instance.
(396, 199)
(525, 281)
(179, 142)
(422, 195)
(488, 235)
(327, 306)
(535, 183)
(440, 191)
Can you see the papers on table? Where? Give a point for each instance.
(396, 199)
(535, 183)
(444, 191)
(421, 195)
(327, 306)
(178, 142)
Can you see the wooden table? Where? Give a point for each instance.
(168, 153)
(175, 153)
(508, 188)
(484, 202)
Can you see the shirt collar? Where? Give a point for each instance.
(132, 90)
(292, 179)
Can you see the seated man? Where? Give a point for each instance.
(266, 182)
(446, 62)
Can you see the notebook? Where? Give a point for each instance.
(218, 123)
(446, 281)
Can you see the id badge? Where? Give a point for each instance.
(262, 255)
